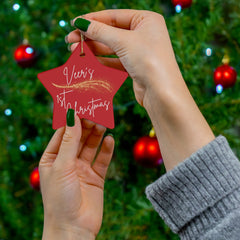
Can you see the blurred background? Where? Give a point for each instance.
(206, 38)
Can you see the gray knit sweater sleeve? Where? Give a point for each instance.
(200, 198)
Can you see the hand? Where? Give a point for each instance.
(139, 38)
(141, 41)
(72, 182)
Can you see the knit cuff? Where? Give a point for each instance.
(196, 185)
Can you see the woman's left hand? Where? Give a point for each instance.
(72, 182)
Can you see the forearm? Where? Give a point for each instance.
(179, 125)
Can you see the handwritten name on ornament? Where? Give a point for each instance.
(87, 73)
(90, 83)
(90, 108)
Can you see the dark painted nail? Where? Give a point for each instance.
(70, 117)
(110, 134)
(82, 24)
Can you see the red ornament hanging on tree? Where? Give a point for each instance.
(25, 55)
(146, 152)
(35, 179)
(225, 76)
(182, 3)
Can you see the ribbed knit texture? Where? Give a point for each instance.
(200, 198)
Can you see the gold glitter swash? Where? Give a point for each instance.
(97, 85)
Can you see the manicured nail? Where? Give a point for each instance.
(66, 39)
(82, 24)
(70, 117)
(110, 134)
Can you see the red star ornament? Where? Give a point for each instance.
(85, 85)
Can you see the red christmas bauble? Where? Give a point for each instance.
(225, 75)
(182, 3)
(35, 179)
(146, 152)
(25, 55)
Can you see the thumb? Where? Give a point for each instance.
(101, 32)
(70, 142)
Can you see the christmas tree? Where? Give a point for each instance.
(202, 33)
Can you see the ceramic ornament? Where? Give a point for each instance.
(85, 85)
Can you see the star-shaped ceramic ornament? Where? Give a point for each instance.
(85, 85)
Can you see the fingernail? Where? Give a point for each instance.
(82, 24)
(69, 47)
(110, 134)
(70, 118)
(66, 39)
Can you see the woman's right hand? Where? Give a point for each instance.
(141, 41)
(139, 38)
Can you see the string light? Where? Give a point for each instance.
(16, 7)
(178, 8)
(29, 50)
(219, 88)
(62, 23)
(8, 112)
(208, 52)
(23, 148)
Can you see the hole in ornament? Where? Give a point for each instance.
(82, 55)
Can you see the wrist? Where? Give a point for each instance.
(179, 125)
(66, 233)
(164, 87)
(162, 78)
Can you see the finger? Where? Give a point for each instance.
(106, 34)
(51, 150)
(73, 46)
(52, 147)
(68, 150)
(74, 36)
(120, 18)
(96, 47)
(99, 48)
(87, 127)
(111, 62)
(104, 157)
(90, 147)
